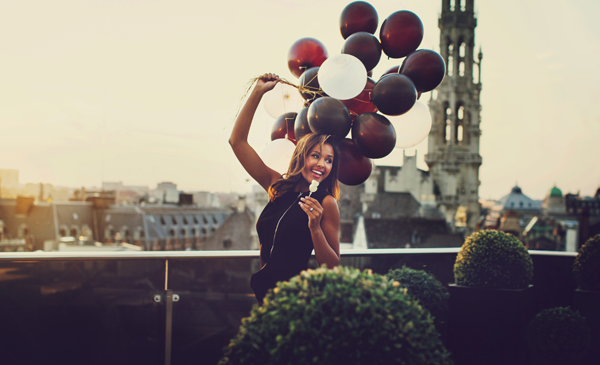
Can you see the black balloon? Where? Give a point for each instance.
(425, 68)
(301, 127)
(394, 94)
(401, 33)
(329, 116)
(364, 46)
(354, 167)
(358, 16)
(310, 81)
(373, 135)
(284, 125)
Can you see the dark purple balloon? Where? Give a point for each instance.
(358, 16)
(364, 46)
(310, 81)
(401, 33)
(329, 116)
(354, 167)
(284, 125)
(393, 70)
(394, 94)
(301, 127)
(426, 69)
(373, 135)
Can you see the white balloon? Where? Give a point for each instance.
(413, 126)
(282, 99)
(278, 154)
(342, 76)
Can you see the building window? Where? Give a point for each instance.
(195, 219)
(227, 243)
(74, 231)
(163, 221)
(450, 67)
(346, 232)
(185, 221)
(173, 219)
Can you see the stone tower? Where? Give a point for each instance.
(453, 153)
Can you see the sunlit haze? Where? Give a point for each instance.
(146, 91)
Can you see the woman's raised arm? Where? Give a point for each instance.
(238, 140)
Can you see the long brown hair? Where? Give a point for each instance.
(290, 180)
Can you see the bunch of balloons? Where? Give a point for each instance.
(339, 97)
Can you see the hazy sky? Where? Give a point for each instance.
(145, 91)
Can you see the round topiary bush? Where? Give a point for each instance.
(558, 336)
(493, 259)
(586, 268)
(339, 316)
(430, 293)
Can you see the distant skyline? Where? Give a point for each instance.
(146, 91)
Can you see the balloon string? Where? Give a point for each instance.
(313, 91)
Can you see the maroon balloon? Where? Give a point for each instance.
(393, 70)
(364, 46)
(310, 81)
(354, 167)
(362, 102)
(394, 94)
(426, 69)
(329, 116)
(401, 33)
(358, 16)
(301, 127)
(284, 125)
(306, 53)
(373, 135)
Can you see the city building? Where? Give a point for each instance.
(453, 151)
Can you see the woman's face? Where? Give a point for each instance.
(318, 163)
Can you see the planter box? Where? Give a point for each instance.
(487, 326)
(588, 304)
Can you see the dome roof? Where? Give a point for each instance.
(517, 190)
(555, 192)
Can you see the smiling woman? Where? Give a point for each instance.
(294, 222)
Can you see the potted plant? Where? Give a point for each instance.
(586, 270)
(558, 336)
(339, 316)
(490, 301)
(430, 293)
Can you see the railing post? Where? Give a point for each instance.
(168, 325)
(168, 315)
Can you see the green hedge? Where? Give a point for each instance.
(422, 286)
(339, 316)
(586, 268)
(493, 259)
(558, 336)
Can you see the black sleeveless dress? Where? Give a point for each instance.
(285, 241)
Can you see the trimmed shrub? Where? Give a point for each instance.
(430, 293)
(558, 336)
(339, 316)
(493, 259)
(586, 268)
